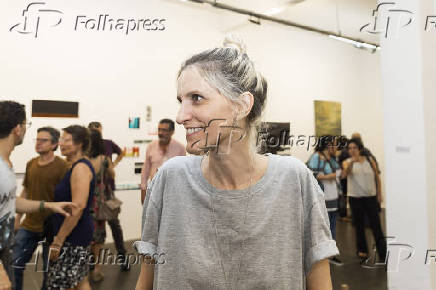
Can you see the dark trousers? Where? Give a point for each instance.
(117, 234)
(368, 206)
(332, 218)
(25, 244)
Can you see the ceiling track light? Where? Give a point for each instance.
(256, 17)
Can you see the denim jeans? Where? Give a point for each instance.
(25, 244)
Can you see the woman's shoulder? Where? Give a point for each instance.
(178, 163)
(83, 164)
(289, 165)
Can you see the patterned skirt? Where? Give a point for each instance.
(70, 268)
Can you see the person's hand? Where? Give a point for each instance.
(54, 251)
(320, 176)
(17, 223)
(379, 198)
(5, 283)
(64, 208)
(55, 248)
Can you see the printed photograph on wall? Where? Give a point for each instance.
(134, 123)
(327, 118)
(273, 137)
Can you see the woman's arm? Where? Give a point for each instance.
(326, 177)
(80, 181)
(319, 276)
(110, 168)
(348, 166)
(377, 179)
(146, 277)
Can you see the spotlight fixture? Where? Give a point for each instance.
(355, 43)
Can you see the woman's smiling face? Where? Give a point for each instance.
(202, 111)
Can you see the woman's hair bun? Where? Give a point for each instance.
(236, 42)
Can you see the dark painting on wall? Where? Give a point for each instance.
(273, 137)
(60, 109)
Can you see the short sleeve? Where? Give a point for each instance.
(151, 215)
(115, 148)
(26, 175)
(318, 243)
(313, 162)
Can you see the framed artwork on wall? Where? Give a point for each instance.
(328, 118)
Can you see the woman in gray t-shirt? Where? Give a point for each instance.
(230, 218)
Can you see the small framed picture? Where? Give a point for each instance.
(134, 123)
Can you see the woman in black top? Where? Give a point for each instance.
(69, 251)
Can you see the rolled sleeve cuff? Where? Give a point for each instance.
(145, 248)
(320, 252)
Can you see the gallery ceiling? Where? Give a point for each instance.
(344, 17)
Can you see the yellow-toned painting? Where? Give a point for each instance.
(327, 118)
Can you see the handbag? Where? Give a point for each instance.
(108, 205)
(109, 209)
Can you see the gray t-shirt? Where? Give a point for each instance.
(267, 236)
(8, 187)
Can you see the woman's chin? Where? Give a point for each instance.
(194, 149)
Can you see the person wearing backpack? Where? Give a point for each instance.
(327, 170)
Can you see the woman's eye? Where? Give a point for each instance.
(196, 97)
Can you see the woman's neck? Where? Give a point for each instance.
(238, 169)
(73, 158)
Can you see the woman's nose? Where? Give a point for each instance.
(184, 114)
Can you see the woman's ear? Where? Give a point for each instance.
(247, 101)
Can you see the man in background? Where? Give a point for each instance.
(112, 148)
(159, 151)
(13, 126)
(42, 175)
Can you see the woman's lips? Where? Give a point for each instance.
(190, 135)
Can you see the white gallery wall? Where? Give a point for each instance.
(114, 76)
(408, 73)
